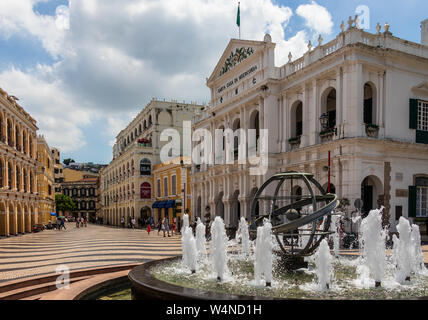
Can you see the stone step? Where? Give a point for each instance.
(37, 280)
(33, 290)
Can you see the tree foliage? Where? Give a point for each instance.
(68, 161)
(64, 203)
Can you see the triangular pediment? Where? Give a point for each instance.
(422, 87)
(236, 52)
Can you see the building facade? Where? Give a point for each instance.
(361, 96)
(172, 190)
(58, 170)
(45, 180)
(85, 194)
(18, 168)
(136, 151)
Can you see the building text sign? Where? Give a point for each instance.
(237, 79)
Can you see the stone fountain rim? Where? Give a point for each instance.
(141, 276)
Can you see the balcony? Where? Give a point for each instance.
(327, 134)
(294, 142)
(372, 130)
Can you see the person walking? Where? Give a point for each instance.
(159, 225)
(133, 222)
(62, 225)
(85, 221)
(78, 222)
(166, 227)
(148, 229)
(122, 222)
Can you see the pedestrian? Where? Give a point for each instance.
(122, 222)
(85, 222)
(133, 222)
(159, 225)
(148, 229)
(62, 225)
(77, 222)
(166, 227)
(173, 226)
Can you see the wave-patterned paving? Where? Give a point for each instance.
(81, 248)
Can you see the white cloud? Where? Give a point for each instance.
(114, 56)
(317, 17)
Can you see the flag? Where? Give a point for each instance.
(238, 17)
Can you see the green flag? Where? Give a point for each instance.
(238, 17)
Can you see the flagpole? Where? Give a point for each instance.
(239, 17)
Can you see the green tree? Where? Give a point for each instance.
(64, 203)
(68, 161)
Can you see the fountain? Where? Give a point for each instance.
(403, 250)
(200, 240)
(291, 255)
(244, 235)
(218, 247)
(373, 250)
(323, 262)
(263, 254)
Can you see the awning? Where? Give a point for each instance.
(159, 204)
(53, 214)
(170, 204)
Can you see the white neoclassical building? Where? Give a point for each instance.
(361, 96)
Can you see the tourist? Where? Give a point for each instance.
(159, 225)
(173, 226)
(62, 224)
(77, 222)
(122, 222)
(133, 222)
(166, 227)
(84, 222)
(148, 229)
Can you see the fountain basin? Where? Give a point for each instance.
(154, 280)
(146, 287)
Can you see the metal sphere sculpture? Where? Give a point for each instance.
(299, 210)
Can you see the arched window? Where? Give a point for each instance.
(145, 167)
(369, 104)
(145, 191)
(9, 133)
(24, 142)
(329, 107)
(1, 129)
(9, 175)
(18, 146)
(139, 129)
(83, 204)
(1, 174)
(18, 178)
(150, 120)
(297, 119)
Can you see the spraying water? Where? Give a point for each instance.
(403, 251)
(218, 247)
(335, 227)
(200, 240)
(324, 268)
(372, 245)
(263, 253)
(418, 265)
(189, 249)
(185, 221)
(244, 235)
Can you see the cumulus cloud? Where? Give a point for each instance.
(316, 17)
(113, 56)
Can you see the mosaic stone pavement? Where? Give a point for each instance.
(79, 248)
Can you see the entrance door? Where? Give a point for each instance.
(367, 196)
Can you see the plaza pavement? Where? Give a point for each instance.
(80, 248)
(90, 247)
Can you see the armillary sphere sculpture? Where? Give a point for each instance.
(299, 210)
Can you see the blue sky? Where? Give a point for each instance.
(84, 69)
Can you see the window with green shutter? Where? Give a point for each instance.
(413, 114)
(412, 201)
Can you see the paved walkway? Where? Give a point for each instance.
(79, 248)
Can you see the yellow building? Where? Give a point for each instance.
(18, 164)
(172, 190)
(45, 180)
(58, 170)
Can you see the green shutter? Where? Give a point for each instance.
(412, 201)
(421, 136)
(413, 114)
